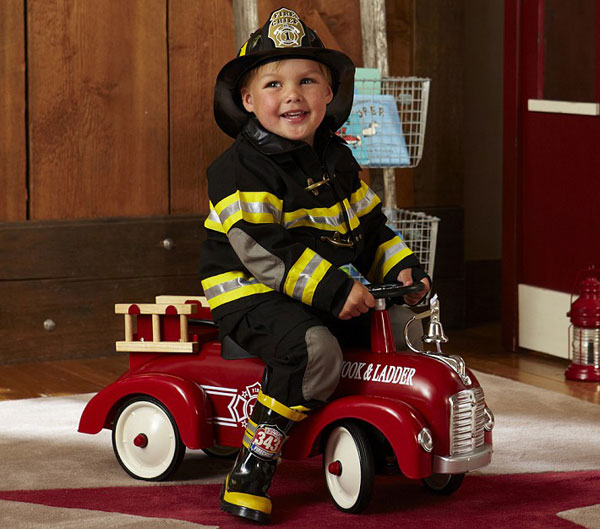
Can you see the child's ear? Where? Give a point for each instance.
(247, 99)
(329, 94)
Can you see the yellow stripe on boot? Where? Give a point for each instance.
(280, 408)
(250, 501)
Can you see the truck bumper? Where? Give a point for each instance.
(463, 463)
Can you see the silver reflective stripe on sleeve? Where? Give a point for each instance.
(213, 216)
(305, 276)
(364, 205)
(229, 286)
(388, 254)
(212, 221)
(398, 247)
(253, 208)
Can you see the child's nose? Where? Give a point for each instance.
(293, 94)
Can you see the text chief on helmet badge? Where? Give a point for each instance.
(285, 29)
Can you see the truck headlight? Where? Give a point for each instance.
(425, 440)
(489, 421)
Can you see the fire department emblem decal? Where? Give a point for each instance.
(231, 406)
(267, 441)
(242, 405)
(285, 29)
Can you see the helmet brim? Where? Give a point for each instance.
(229, 112)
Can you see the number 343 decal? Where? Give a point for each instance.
(267, 441)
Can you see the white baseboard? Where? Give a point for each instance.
(543, 321)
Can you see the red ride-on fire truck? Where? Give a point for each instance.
(421, 412)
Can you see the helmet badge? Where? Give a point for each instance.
(285, 29)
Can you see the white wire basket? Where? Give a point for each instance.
(418, 230)
(386, 127)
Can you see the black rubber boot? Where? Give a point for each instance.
(244, 492)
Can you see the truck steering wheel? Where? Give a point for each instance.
(394, 290)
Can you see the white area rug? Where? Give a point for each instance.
(540, 431)
(25, 515)
(537, 431)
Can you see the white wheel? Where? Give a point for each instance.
(146, 440)
(349, 469)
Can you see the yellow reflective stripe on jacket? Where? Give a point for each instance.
(304, 276)
(260, 207)
(329, 219)
(388, 254)
(254, 207)
(363, 200)
(230, 286)
(354, 222)
(212, 221)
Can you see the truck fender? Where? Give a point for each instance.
(186, 401)
(399, 422)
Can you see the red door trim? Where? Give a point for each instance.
(597, 25)
(510, 191)
(541, 49)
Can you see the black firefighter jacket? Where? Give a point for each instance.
(284, 217)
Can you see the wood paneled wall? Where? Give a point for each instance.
(201, 41)
(13, 150)
(119, 106)
(107, 105)
(98, 108)
(439, 54)
(401, 33)
(106, 132)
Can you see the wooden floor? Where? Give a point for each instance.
(479, 346)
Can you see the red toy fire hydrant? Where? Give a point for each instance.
(584, 331)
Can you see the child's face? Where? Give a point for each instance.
(289, 98)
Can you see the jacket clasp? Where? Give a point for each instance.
(312, 185)
(337, 240)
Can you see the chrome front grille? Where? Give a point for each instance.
(466, 421)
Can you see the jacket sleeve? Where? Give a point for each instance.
(385, 253)
(247, 207)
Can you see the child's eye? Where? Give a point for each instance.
(272, 84)
(307, 80)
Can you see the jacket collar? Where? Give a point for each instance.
(272, 144)
(267, 142)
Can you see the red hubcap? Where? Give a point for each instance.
(335, 468)
(141, 441)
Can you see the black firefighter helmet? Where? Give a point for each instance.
(284, 36)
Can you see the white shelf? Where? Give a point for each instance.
(563, 107)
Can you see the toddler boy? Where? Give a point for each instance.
(287, 210)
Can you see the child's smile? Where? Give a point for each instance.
(289, 98)
(295, 116)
